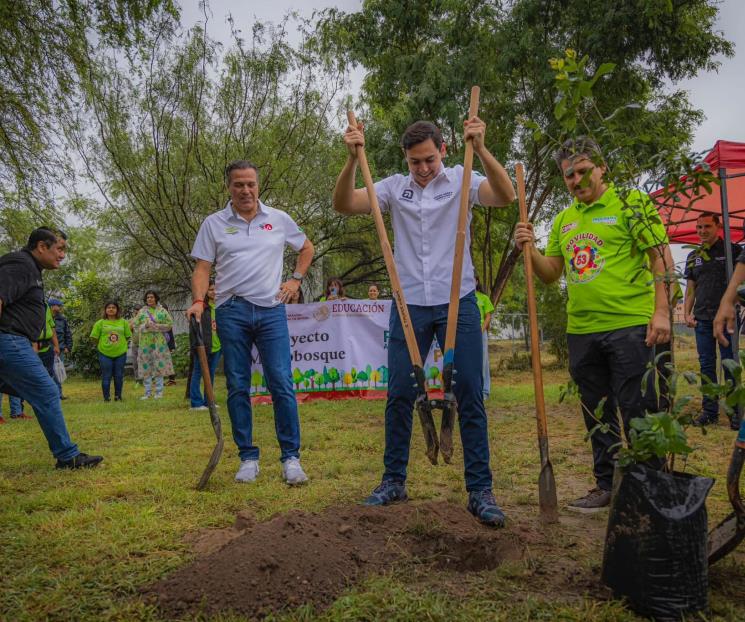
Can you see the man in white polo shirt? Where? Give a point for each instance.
(424, 213)
(246, 242)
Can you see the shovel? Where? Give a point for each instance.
(547, 500)
(197, 340)
(422, 403)
(448, 404)
(725, 537)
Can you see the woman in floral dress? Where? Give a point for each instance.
(154, 357)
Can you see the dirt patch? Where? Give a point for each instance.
(299, 558)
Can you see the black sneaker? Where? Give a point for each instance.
(81, 461)
(706, 419)
(118, 399)
(389, 491)
(594, 501)
(483, 505)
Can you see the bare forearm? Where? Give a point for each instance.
(200, 281)
(690, 298)
(500, 183)
(304, 257)
(343, 196)
(548, 269)
(661, 262)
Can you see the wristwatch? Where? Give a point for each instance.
(298, 276)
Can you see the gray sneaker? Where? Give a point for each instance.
(248, 471)
(594, 501)
(293, 472)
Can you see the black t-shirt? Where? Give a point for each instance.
(22, 293)
(709, 273)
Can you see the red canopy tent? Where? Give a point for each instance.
(727, 161)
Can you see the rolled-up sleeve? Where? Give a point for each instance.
(204, 246)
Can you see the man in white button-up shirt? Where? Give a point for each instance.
(424, 212)
(246, 242)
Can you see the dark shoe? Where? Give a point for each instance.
(389, 491)
(593, 501)
(171, 383)
(118, 399)
(706, 419)
(482, 505)
(107, 399)
(21, 416)
(735, 421)
(81, 461)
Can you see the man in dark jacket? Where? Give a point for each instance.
(64, 335)
(22, 317)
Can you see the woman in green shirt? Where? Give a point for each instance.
(154, 357)
(111, 334)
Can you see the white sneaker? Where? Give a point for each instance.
(158, 396)
(199, 408)
(248, 471)
(145, 397)
(293, 472)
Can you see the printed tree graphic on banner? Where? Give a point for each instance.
(375, 377)
(319, 380)
(353, 371)
(383, 371)
(256, 380)
(348, 379)
(311, 376)
(433, 373)
(306, 383)
(297, 378)
(362, 376)
(368, 373)
(334, 377)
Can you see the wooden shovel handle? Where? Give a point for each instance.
(540, 406)
(390, 264)
(460, 235)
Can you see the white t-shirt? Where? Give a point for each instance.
(425, 221)
(248, 257)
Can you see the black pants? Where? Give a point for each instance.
(609, 365)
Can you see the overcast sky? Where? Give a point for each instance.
(720, 95)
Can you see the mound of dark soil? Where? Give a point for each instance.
(298, 558)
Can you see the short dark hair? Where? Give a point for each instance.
(714, 217)
(154, 293)
(116, 304)
(237, 165)
(47, 235)
(420, 132)
(575, 147)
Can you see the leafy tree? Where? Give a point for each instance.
(375, 377)
(348, 379)
(422, 59)
(333, 376)
(46, 53)
(310, 374)
(256, 380)
(362, 377)
(383, 371)
(320, 380)
(433, 373)
(297, 377)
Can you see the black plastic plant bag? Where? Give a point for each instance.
(655, 547)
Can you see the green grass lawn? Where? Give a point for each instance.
(79, 545)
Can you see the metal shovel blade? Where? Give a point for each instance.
(449, 410)
(725, 537)
(547, 501)
(217, 451)
(428, 427)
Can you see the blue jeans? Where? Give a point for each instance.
(429, 322)
(23, 370)
(485, 370)
(112, 367)
(195, 387)
(16, 405)
(706, 345)
(240, 325)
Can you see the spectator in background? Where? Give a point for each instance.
(373, 292)
(64, 335)
(111, 334)
(134, 344)
(154, 357)
(47, 346)
(486, 308)
(334, 290)
(706, 282)
(16, 408)
(296, 298)
(198, 401)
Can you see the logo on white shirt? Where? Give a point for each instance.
(444, 195)
(231, 229)
(407, 195)
(266, 227)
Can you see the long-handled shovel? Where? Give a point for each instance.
(201, 351)
(448, 404)
(422, 403)
(725, 537)
(547, 501)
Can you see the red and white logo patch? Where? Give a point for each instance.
(266, 227)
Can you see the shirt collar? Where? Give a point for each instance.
(607, 197)
(30, 254)
(447, 173)
(231, 213)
